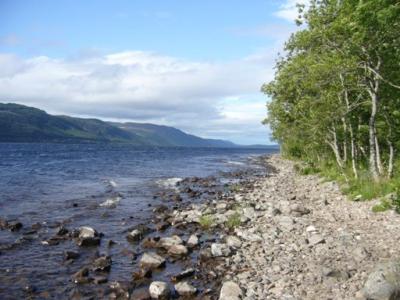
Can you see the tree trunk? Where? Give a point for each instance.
(373, 92)
(391, 158)
(378, 156)
(344, 140)
(335, 148)
(353, 152)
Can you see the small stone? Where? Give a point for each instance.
(62, 231)
(71, 255)
(315, 240)
(87, 236)
(230, 291)
(218, 250)
(102, 264)
(100, 279)
(178, 250)
(184, 274)
(152, 260)
(233, 242)
(185, 289)
(159, 290)
(167, 242)
(193, 241)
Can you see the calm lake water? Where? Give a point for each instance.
(73, 185)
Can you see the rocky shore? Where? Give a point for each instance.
(268, 234)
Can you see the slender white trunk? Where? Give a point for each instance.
(378, 156)
(391, 158)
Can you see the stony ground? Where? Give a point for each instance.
(304, 240)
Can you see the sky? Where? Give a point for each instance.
(195, 65)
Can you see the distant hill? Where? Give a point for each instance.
(20, 123)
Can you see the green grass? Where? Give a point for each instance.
(206, 221)
(233, 221)
(383, 206)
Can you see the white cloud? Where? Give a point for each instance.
(210, 99)
(289, 11)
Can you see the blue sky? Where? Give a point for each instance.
(196, 65)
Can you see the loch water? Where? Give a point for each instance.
(106, 186)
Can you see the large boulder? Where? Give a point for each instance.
(384, 282)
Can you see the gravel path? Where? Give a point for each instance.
(305, 240)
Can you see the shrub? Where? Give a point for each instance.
(233, 221)
(206, 221)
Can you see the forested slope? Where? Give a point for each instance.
(335, 99)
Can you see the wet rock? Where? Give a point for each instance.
(137, 233)
(185, 289)
(14, 225)
(384, 282)
(168, 242)
(102, 264)
(140, 294)
(150, 242)
(120, 290)
(178, 251)
(88, 237)
(3, 224)
(205, 254)
(82, 276)
(141, 274)
(30, 289)
(152, 260)
(159, 290)
(184, 274)
(230, 291)
(71, 255)
(218, 250)
(110, 243)
(62, 231)
(162, 226)
(193, 241)
(100, 279)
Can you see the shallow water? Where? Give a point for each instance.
(54, 184)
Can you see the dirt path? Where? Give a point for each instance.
(304, 240)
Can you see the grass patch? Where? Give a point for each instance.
(306, 169)
(206, 221)
(233, 221)
(235, 188)
(383, 206)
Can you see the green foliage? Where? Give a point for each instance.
(235, 188)
(338, 68)
(206, 221)
(381, 207)
(233, 221)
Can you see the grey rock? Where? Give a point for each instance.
(384, 282)
(167, 242)
(218, 250)
(152, 260)
(230, 291)
(185, 289)
(193, 241)
(178, 250)
(233, 242)
(159, 290)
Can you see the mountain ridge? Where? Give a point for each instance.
(20, 123)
